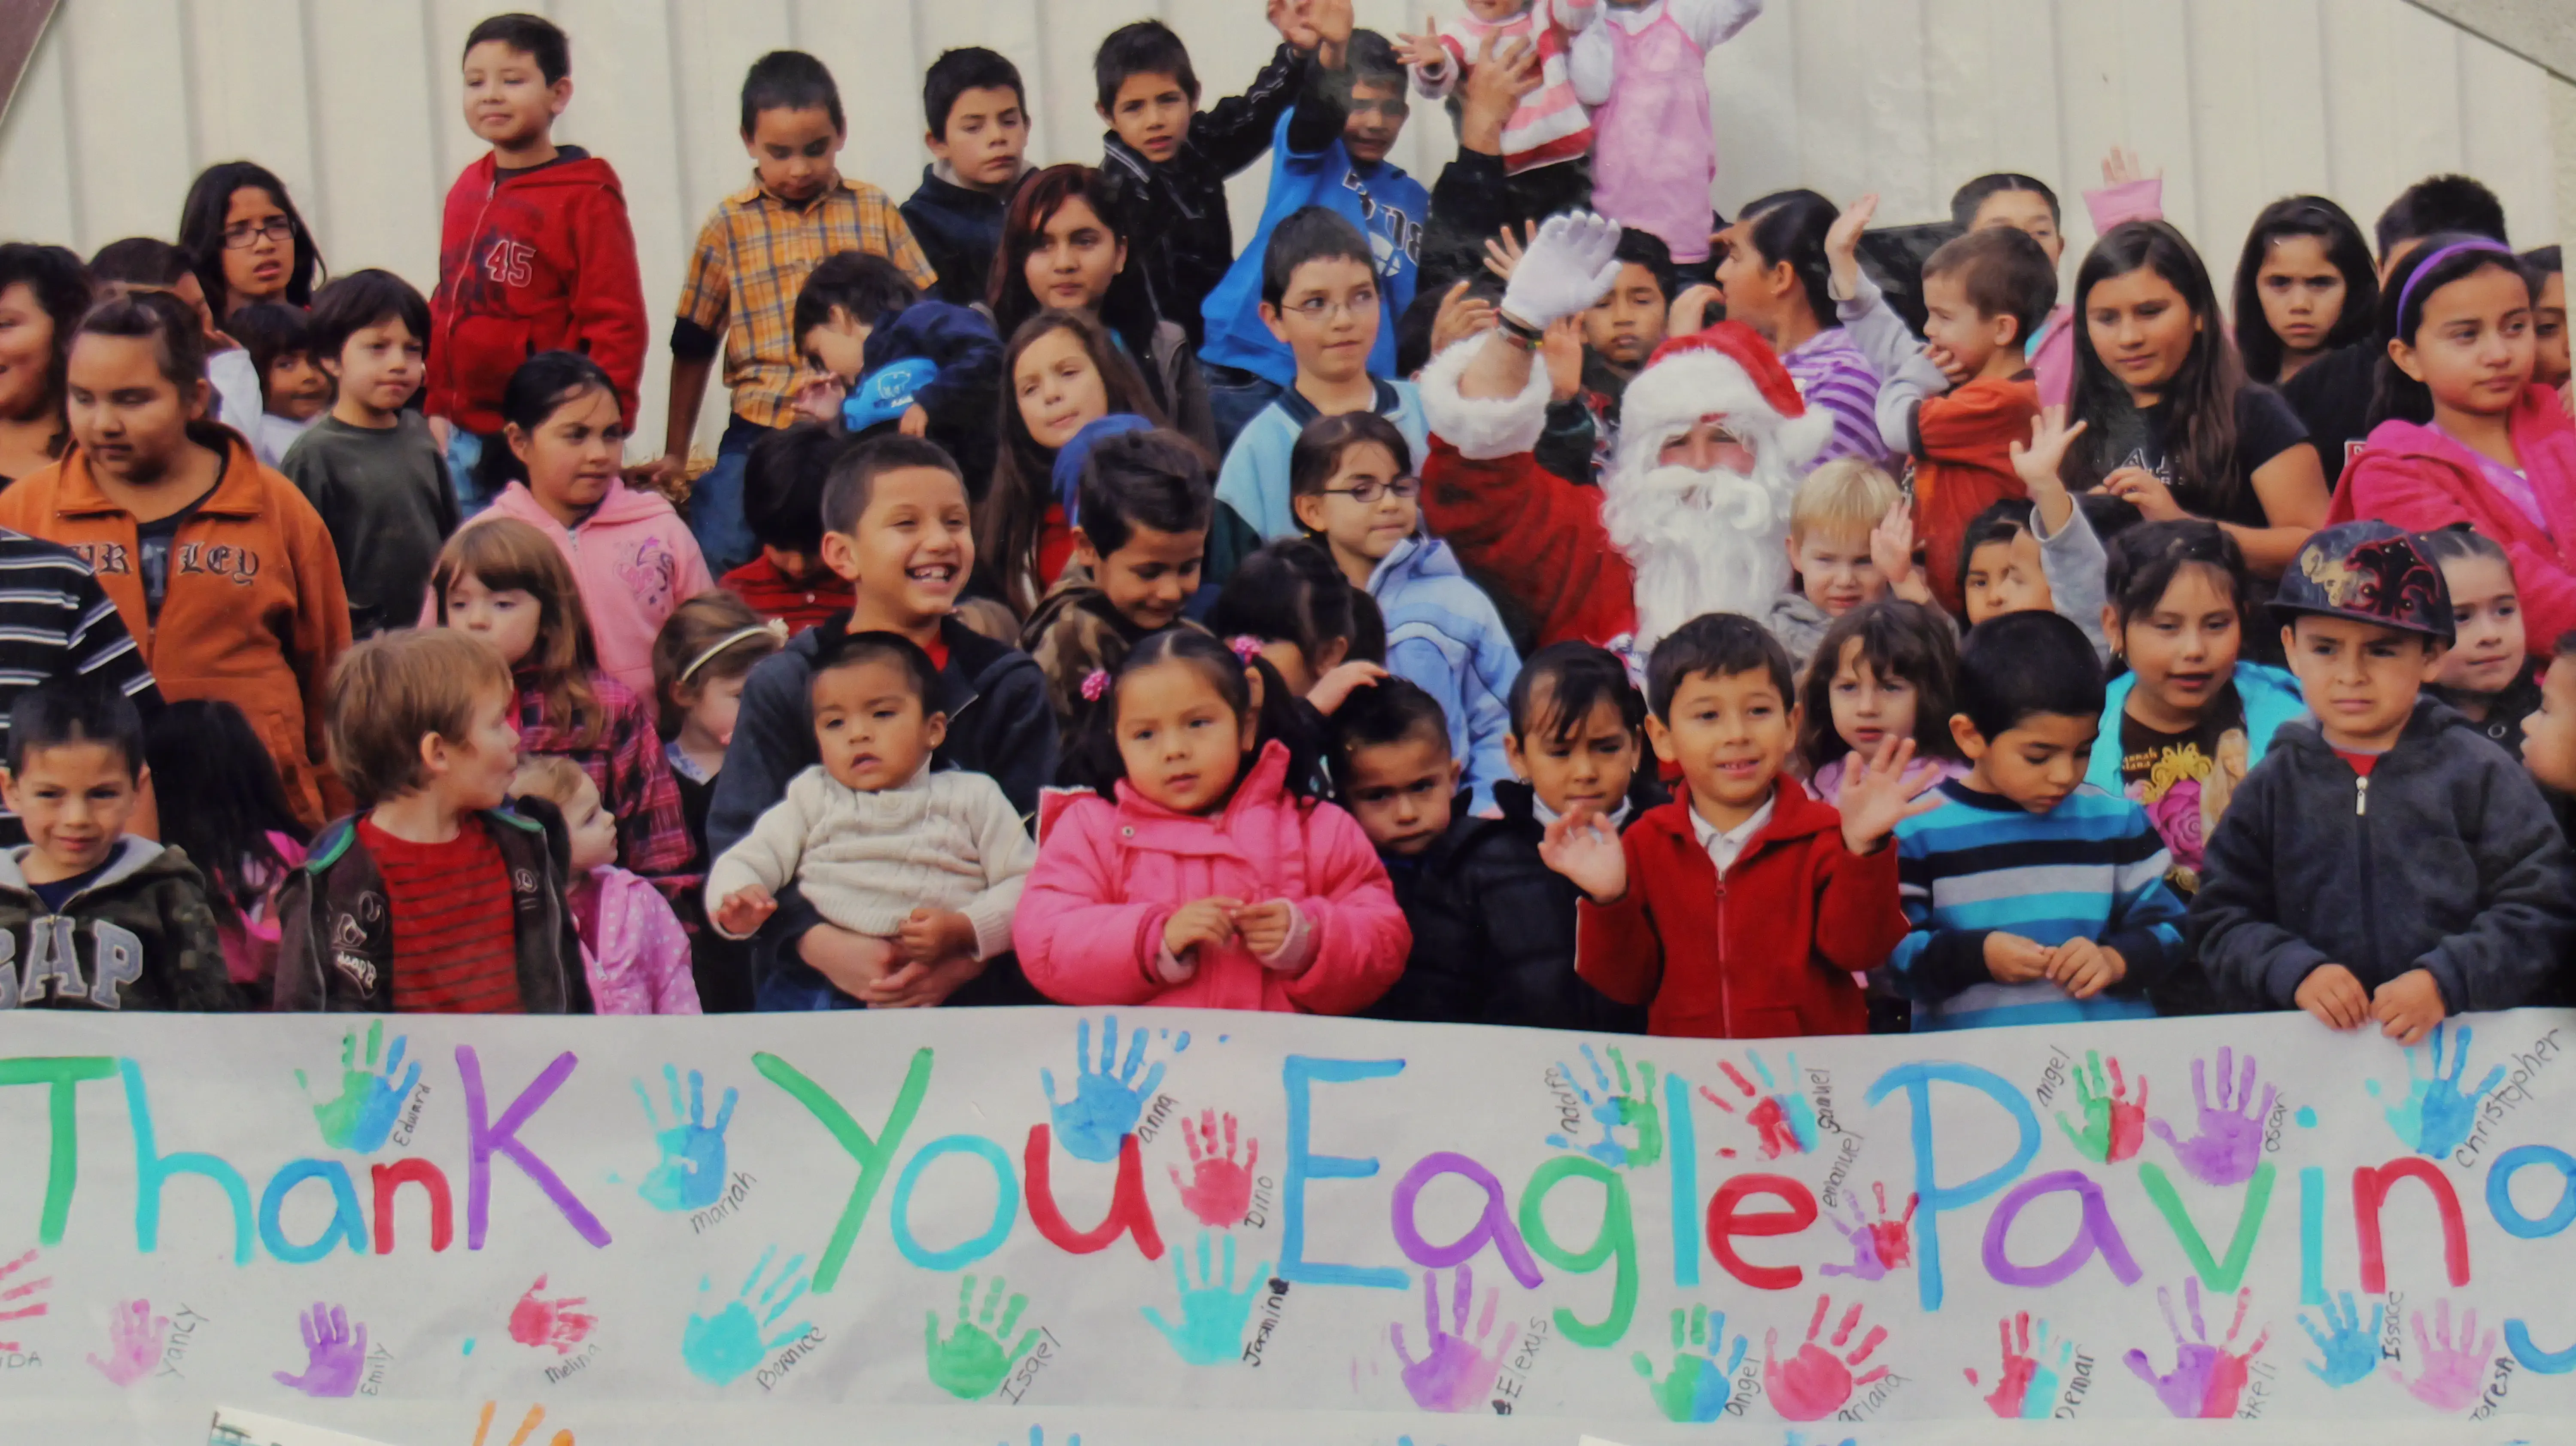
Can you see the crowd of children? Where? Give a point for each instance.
(1532, 599)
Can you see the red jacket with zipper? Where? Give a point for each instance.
(544, 261)
(1767, 952)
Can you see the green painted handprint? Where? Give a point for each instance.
(363, 1115)
(972, 1362)
(2114, 1125)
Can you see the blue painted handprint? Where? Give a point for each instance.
(1037, 1437)
(2351, 1353)
(2436, 1114)
(362, 1116)
(1699, 1385)
(1107, 1100)
(691, 1173)
(720, 1348)
(1213, 1311)
(1630, 1105)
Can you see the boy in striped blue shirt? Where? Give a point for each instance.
(2035, 897)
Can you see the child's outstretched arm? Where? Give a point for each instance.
(1234, 132)
(764, 859)
(1908, 376)
(969, 355)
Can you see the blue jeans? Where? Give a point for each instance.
(1235, 397)
(715, 502)
(464, 455)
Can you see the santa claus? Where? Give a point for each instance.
(1692, 516)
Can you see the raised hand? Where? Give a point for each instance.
(1698, 1386)
(1568, 267)
(1460, 317)
(1108, 1098)
(1585, 849)
(2230, 1142)
(135, 1340)
(1689, 312)
(2351, 1353)
(1219, 1190)
(1630, 1106)
(335, 1354)
(2453, 1369)
(691, 1173)
(1506, 72)
(1878, 1246)
(1842, 242)
(528, 1424)
(1503, 250)
(2120, 167)
(1210, 1331)
(1424, 51)
(362, 1117)
(1335, 688)
(536, 1321)
(1455, 1373)
(1891, 548)
(720, 1349)
(1877, 796)
(744, 911)
(2042, 464)
(1562, 350)
(1815, 1382)
(2437, 1114)
(2114, 1125)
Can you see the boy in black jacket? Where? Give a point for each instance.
(895, 524)
(1165, 161)
(978, 140)
(92, 917)
(2386, 863)
(1493, 927)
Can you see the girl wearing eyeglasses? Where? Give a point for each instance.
(1353, 490)
(245, 241)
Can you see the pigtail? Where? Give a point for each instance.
(1294, 724)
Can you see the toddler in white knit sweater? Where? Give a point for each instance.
(878, 843)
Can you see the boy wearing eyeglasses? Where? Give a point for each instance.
(1330, 151)
(1320, 296)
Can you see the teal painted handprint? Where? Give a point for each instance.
(1037, 1437)
(972, 1361)
(2351, 1353)
(1107, 1099)
(1212, 1312)
(2436, 1114)
(361, 1118)
(1698, 1386)
(720, 1348)
(1630, 1106)
(691, 1172)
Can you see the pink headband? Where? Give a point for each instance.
(2406, 293)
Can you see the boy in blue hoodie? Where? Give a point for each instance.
(859, 314)
(1330, 151)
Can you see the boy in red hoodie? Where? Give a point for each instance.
(1742, 909)
(534, 253)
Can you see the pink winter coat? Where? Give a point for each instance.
(636, 563)
(2422, 480)
(2052, 358)
(1090, 924)
(632, 947)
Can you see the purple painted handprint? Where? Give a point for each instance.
(2207, 1380)
(2454, 1367)
(1455, 1373)
(2230, 1142)
(335, 1354)
(135, 1339)
(1878, 1246)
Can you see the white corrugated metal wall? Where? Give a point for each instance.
(354, 103)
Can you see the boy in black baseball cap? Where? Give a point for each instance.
(2385, 862)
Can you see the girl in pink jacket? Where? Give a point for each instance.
(2468, 438)
(1218, 879)
(634, 558)
(633, 950)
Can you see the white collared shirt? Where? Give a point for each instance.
(1725, 847)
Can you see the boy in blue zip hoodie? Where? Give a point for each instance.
(1319, 296)
(859, 314)
(1331, 152)
(2386, 864)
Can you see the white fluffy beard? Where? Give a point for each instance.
(1700, 542)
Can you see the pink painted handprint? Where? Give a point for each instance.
(2230, 1142)
(1814, 1383)
(1454, 1373)
(1783, 1122)
(2207, 1380)
(13, 1293)
(135, 1339)
(1880, 1245)
(1219, 1190)
(2454, 1369)
(538, 1322)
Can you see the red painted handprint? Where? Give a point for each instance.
(15, 1302)
(1880, 1245)
(1219, 1190)
(1814, 1383)
(1782, 1119)
(541, 1323)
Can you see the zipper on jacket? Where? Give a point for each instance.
(2361, 796)
(1725, 980)
(2369, 887)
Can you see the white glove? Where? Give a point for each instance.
(1568, 269)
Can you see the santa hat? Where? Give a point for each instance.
(1725, 371)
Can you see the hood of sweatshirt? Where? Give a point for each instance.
(130, 857)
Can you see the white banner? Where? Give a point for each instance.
(1125, 1215)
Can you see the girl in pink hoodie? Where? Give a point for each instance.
(1218, 878)
(2467, 437)
(633, 949)
(633, 556)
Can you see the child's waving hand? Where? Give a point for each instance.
(1877, 796)
(2042, 463)
(1585, 849)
